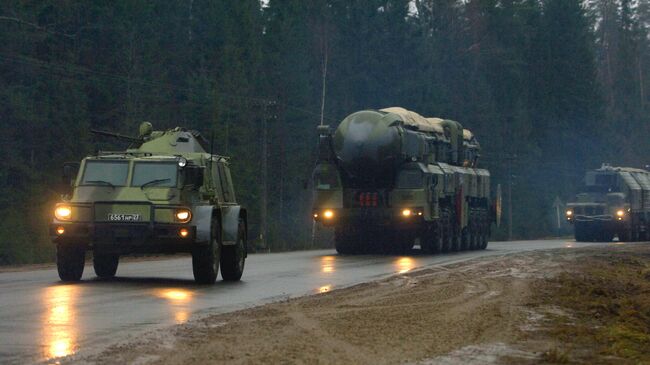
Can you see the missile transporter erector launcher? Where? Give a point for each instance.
(388, 177)
(615, 202)
(165, 194)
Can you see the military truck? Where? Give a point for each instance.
(387, 177)
(164, 194)
(614, 202)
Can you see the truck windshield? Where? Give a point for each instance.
(410, 179)
(109, 173)
(325, 180)
(158, 174)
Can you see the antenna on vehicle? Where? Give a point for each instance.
(211, 151)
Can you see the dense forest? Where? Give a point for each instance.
(550, 88)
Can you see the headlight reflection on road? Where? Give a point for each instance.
(60, 325)
(404, 264)
(179, 300)
(327, 264)
(325, 288)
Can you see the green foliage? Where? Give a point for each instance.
(560, 85)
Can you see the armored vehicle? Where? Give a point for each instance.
(164, 194)
(615, 201)
(387, 177)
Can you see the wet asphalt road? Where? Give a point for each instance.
(42, 319)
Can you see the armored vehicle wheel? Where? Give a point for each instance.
(105, 265)
(233, 257)
(70, 262)
(205, 259)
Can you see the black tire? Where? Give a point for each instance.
(465, 239)
(70, 261)
(105, 265)
(205, 259)
(625, 235)
(474, 239)
(580, 232)
(432, 240)
(399, 242)
(446, 239)
(484, 241)
(456, 241)
(233, 258)
(345, 241)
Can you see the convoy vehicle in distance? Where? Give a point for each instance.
(615, 201)
(388, 177)
(165, 194)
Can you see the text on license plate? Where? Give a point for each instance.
(124, 217)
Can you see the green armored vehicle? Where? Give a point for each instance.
(388, 177)
(615, 201)
(165, 194)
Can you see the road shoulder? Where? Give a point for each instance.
(507, 309)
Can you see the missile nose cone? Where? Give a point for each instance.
(364, 141)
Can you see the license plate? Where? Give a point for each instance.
(124, 217)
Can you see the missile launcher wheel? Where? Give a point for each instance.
(431, 242)
(346, 241)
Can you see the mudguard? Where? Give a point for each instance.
(202, 218)
(229, 224)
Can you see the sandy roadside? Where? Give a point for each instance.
(484, 311)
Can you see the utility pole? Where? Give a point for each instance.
(557, 204)
(509, 198)
(509, 159)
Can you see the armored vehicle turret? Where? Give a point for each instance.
(164, 194)
(614, 202)
(388, 177)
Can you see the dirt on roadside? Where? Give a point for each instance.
(504, 309)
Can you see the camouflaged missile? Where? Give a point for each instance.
(388, 177)
(164, 194)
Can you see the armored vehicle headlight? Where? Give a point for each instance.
(329, 214)
(63, 212)
(406, 212)
(183, 215)
(569, 212)
(620, 212)
(182, 162)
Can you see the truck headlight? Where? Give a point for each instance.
(328, 214)
(406, 212)
(183, 215)
(63, 212)
(569, 213)
(620, 213)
